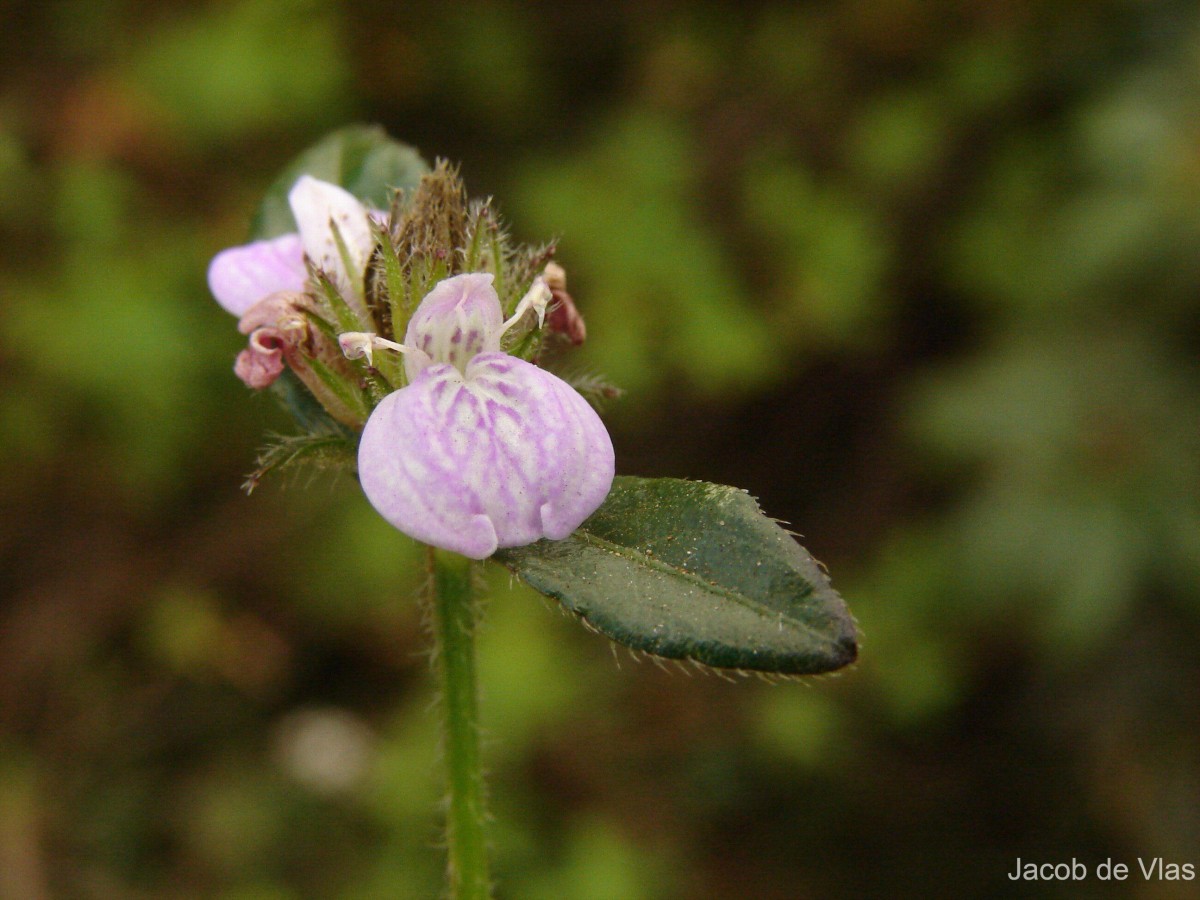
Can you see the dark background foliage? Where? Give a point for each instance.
(921, 276)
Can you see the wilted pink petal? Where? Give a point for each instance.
(262, 361)
(276, 326)
(563, 318)
(281, 309)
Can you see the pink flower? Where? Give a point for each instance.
(245, 279)
(481, 450)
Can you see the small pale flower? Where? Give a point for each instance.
(241, 276)
(481, 450)
(260, 282)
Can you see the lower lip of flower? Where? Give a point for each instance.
(499, 456)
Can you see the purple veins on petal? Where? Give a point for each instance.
(241, 276)
(458, 319)
(500, 455)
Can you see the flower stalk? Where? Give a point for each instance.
(455, 615)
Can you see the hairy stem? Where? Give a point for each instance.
(455, 611)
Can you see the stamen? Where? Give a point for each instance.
(536, 298)
(357, 344)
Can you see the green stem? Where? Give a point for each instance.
(454, 618)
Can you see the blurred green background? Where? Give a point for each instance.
(922, 276)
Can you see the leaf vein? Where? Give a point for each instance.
(750, 603)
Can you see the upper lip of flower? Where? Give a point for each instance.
(459, 319)
(336, 232)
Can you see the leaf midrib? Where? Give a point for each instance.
(750, 603)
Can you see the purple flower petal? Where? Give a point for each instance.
(459, 318)
(241, 276)
(499, 456)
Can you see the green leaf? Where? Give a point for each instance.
(695, 571)
(360, 158)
